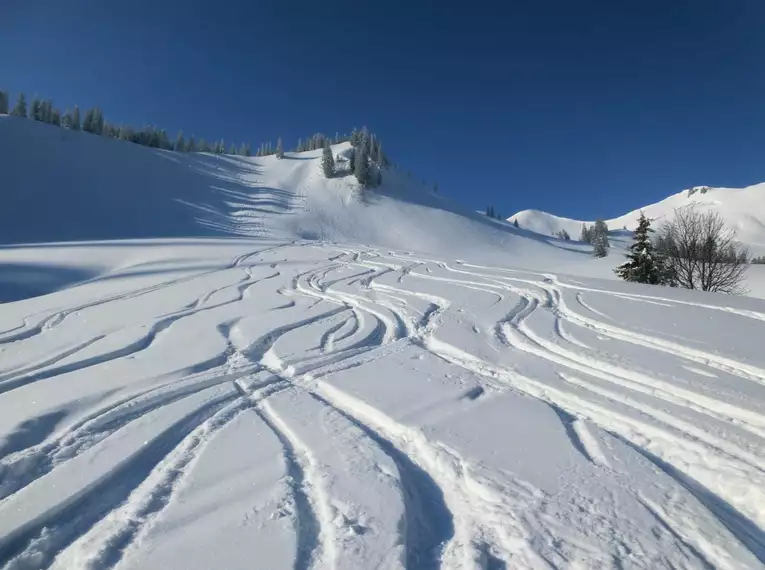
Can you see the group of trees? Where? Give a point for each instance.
(366, 159)
(758, 260)
(562, 234)
(693, 250)
(492, 213)
(267, 149)
(93, 122)
(597, 235)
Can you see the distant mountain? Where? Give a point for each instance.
(742, 208)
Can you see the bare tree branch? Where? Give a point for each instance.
(701, 253)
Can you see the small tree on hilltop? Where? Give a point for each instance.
(74, 123)
(642, 265)
(361, 162)
(34, 110)
(3, 102)
(327, 160)
(279, 148)
(20, 109)
(180, 143)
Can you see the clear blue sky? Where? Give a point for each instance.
(581, 107)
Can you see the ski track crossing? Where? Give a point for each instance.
(356, 363)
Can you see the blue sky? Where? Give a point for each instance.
(585, 108)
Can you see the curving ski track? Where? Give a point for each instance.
(319, 321)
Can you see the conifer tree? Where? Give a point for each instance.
(87, 121)
(3, 102)
(203, 146)
(34, 110)
(280, 149)
(232, 149)
(244, 150)
(327, 161)
(55, 117)
(361, 164)
(600, 245)
(46, 111)
(601, 229)
(191, 145)
(98, 121)
(355, 138)
(20, 109)
(180, 143)
(643, 265)
(75, 119)
(515, 223)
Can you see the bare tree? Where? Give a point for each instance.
(699, 252)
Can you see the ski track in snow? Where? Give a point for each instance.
(360, 306)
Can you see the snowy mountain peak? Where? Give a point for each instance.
(742, 208)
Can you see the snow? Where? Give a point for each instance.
(742, 209)
(307, 375)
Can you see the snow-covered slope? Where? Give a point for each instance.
(742, 208)
(243, 383)
(62, 186)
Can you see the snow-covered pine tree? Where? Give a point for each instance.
(87, 121)
(75, 119)
(3, 102)
(361, 163)
(191, 144)
(601, 229)
(600, 245)
(641, 265)
(279, 148)
(232, 149)
(34, 110)
(180, 143)
(585, 236)
(20, 108)
(244, 150)
(355, 138)
(46, 111)
(327, 161)
(164, 140)
(98, 121)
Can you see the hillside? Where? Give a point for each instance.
(742, 208)
(74, 186)
(226, 362)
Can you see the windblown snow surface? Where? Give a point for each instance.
(356, 399)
